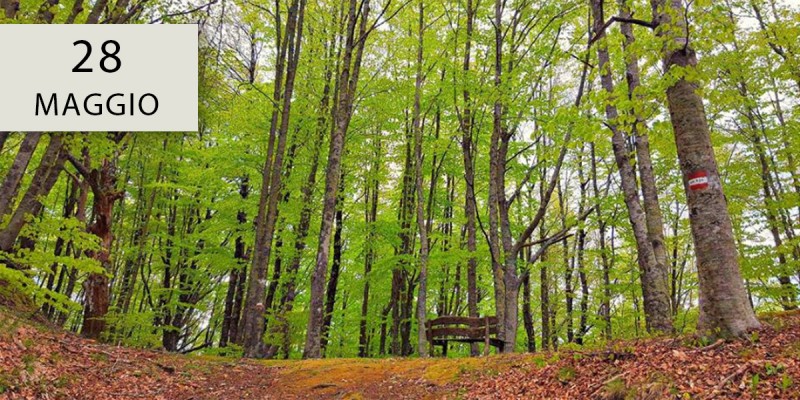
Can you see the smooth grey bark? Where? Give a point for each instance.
(251, 324)
(422, 229)
(253, 318)
(370, 216)
(348, 80)
(653, 275)
(336, 267)
(470, 209)
(652, 207)
(505, 246)
(281, 324)
(724, 306)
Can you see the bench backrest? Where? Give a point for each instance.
(461, 327)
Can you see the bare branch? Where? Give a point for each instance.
(602, 30)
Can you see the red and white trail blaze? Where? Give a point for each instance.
(698, 180)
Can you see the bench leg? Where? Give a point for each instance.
(444, 350)
(486, 338)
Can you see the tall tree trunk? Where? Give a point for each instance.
(504, 246)
(72, 275)
(371, 214)
(579, 252)
(544, 296)
(788, 295)
(422, 228)
(400, 272)
(139, 242)
(274, 281)
(348, 80)
(496, 179)
(336, 266)
(724, 306)
(569, 270)
(605, 308)
(281, 324)
(62, 247)
(406, 315)
(652, 207)
(237, 276)
(470, 209)
(527, 313)
(102, 181)
(653, 275)
(253, 324)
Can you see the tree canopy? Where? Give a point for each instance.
(582, 170)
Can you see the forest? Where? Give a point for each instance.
(580, 170)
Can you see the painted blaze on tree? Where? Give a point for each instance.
(724, 306)
(698, 180)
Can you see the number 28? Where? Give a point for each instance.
(114, 62)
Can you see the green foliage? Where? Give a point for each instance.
(176, 228)
(565, 374)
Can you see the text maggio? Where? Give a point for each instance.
(96, 104)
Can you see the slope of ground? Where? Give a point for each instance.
(766, 367)
(40, 363)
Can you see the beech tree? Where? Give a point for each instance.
(724, 306)
(653, 269)
(352, 54)
(253, 324)
(362, 167)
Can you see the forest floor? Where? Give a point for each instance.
(39, 362)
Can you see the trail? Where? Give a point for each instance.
(40, 362)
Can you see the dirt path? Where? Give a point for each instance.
(39, 363)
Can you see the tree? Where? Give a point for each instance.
(422, 227)
(102, 181)
(724, 306)
(320, 209)
(653, 275)
(253, 324)
(352, 54)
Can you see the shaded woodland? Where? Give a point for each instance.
(582, 170)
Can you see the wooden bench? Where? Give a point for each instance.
(448, 328)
